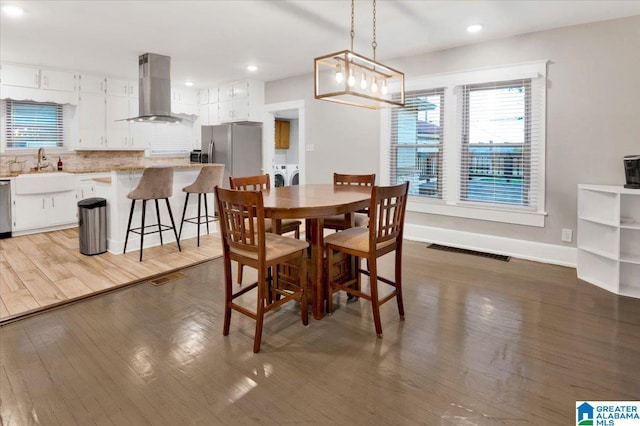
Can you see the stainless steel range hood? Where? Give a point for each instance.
(154, 90)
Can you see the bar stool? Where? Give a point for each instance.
(209, 177)
(156, 183)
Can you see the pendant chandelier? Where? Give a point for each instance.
(349, 78)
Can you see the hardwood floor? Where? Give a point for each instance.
(39, 271)
(484, 342)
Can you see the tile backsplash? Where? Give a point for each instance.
(89, 161)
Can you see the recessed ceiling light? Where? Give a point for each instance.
(252, 68)
(188, 83)
(12, 10)
(474, 28)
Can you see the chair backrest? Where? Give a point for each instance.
(386, 213)
(241, 221)
(361, 180)
(155, 183)
(250, 183)
(209, 177)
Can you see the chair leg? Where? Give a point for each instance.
(297, 232)
(302, 277)
(399, 282)
(126, 238)
(240, 269)
(184, 212)
(330, 280)
(159, 225)
(206, 211)
(228, 293)
(257, 339)
(173, 224)
(199, 216)
(144, 210)
(375, 302)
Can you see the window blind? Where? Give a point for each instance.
(170, 138)
(500, 130)
(417, 141)
(34, 124)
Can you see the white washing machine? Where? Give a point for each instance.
(279, 175)
(293, 174)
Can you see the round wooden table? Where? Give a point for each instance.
(313, 203)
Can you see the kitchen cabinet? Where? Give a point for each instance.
(184, 101)
(58, 80)
(92, 84)
(103, 104)
(20, 75)
(44, 201)
(22, 82)
(282, 134)
(241, 101)
(92, 109)
(609, 238)
(39, 211)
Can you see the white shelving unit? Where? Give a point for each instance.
(609, 238)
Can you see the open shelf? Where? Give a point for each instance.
(609, 238)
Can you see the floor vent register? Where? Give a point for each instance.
(471, 252)
(166, 278)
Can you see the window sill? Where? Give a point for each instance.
(536, 219)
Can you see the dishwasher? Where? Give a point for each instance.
(5, 208)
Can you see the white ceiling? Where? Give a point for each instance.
(212, 42)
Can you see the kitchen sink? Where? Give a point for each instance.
(42, 183)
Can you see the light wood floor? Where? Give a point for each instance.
(43, 270)
(484, 343)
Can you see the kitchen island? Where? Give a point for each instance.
(124, 180)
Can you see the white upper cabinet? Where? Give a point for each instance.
(23, 82)
(119, 87)
(58, 80)
(241, 101)
(91, 122)
(21, 76)
(184, 101)
(92, 84)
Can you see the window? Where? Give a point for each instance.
(34, 124)
(167, 139)
(471, 144)
(417, 141)
(495, 160)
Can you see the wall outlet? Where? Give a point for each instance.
(310, 147)
(567, 235)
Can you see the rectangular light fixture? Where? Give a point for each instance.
(349, 78)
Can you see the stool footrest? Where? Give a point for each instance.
(203, 219)
(140, 230)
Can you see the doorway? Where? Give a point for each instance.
(289, 160)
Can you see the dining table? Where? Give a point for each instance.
(313, 203)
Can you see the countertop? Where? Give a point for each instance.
(108, 169)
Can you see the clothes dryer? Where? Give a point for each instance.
(293, 174)
(279, 175)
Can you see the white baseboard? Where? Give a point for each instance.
(521, 249)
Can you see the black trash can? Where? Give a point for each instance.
(92, 222)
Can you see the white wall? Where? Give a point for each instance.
(593, 117)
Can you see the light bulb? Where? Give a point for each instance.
(374, 85)
(363, 82)
(339, 74)
(384, 89)
(351, 81)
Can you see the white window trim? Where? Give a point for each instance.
(452, 206)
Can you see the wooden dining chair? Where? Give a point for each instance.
(361, 218)
(384, 235)
(244, 240)
(260, 183)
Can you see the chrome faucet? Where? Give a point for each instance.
(40, 159)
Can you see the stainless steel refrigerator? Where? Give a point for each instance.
(236, 145)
